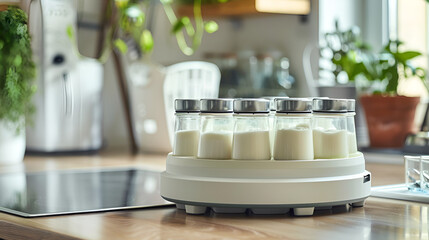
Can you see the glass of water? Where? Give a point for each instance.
(413, 172)
(424, 174)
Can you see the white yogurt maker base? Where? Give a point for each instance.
(264, 186)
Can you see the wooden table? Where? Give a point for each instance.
(379, 219)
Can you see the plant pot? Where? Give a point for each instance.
(389, 119)
(12, 143)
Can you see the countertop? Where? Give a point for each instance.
(379, 219)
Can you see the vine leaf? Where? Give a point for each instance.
(146, 41)
(121, 46)
(211, 26)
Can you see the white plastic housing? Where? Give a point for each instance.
(269, 183)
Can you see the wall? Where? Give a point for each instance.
(368, 15)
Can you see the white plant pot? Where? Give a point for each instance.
(12, 144)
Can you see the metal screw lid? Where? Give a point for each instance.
(251, 105)
(218, 105)
(294, 105)
(331, 105)
(351, 105)
(187, 105)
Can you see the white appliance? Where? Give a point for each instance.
(265, 187)
(68, 97)
(153, 90)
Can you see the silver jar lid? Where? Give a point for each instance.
(187, 105)
(331, 105)
(351, 105)
(294, 105)
(251, 105)
(218, 105)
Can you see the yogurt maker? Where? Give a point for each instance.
(233, 186)
(197, 184)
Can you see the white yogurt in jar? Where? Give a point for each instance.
(215, 145)
(330, 143)
(294, 144)
(251, 145)
(352, 144)
(186, 143)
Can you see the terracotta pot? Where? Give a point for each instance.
(389, 118)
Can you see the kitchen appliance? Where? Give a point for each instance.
(68, 99)
(78, 191)
(265, 186)
(153, 90)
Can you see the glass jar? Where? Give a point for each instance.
(251, 138)
(187, 127)
(330, 128)
(216, 129)
(351, 128)
(293, 134)
(271, 117)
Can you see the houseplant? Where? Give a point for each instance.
(127, 24)
(17, 72)
(389, 115)
(342, 49)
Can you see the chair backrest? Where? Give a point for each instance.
(194, 80)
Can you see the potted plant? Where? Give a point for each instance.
(17, 72)
(389, 115)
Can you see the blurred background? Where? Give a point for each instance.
(280, 48)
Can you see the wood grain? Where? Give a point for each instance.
(379, 219)
(19, 232)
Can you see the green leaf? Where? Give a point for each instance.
(146, 41)
(393, 79)
(121, 46)
(211, 26)
(70, 32)
(121, 3)
(178, 25)
(403, 57)
(138, 17)
(17, 61)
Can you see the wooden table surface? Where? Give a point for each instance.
(379, 219)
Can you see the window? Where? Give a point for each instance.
(412, 29)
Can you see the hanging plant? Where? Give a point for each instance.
(17, 69)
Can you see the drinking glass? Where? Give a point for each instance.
(413, 172)
(424, 174)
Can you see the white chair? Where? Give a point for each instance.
(153, 99)
(193, 80)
